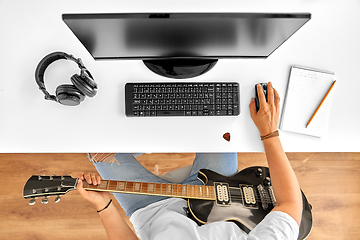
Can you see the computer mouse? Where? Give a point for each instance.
(264, 88)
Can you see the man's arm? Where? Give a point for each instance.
(115, 226)
(285, 185)
(286, 188)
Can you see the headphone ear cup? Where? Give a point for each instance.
(86, 84)
(69, 95)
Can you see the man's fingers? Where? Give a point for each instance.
(80, 176)
(93, 179)
(270, 93)
(252, 107)
(79, 186)
(261, 96)
(88, 178)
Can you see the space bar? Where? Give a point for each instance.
(170, 113)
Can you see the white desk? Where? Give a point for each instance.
(31, 29)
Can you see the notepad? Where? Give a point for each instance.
(306, 89)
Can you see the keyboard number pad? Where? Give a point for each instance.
(227, 99)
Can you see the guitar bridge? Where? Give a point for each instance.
(267, 196)
(222, 194)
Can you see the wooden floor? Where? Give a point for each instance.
(330, 180)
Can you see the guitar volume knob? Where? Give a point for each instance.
(259, 172)
(267, 181)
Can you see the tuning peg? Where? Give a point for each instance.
(45, 200)
(32, 201)
(57, 199)
(52, 176)
(40, 177)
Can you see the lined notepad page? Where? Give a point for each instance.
(306, 89)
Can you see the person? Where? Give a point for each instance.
(155, 217)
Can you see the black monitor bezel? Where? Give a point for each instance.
(71, 16)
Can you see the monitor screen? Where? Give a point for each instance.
(183, 35)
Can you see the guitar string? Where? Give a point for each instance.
(234, 198)
(233, 192)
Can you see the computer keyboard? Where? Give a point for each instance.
(182, 99)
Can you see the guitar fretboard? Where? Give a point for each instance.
(156, 189)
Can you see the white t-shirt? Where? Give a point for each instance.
(166, 219)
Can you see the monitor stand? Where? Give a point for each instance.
(180, 68)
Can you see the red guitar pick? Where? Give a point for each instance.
(226, 136)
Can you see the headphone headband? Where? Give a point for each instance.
(49, 59)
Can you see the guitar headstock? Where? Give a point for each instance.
(45, 186)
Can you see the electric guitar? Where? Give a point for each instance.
(244, 198)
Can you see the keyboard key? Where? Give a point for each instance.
(221, 112)
(170, 113)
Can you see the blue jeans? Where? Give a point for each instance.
(129, 169)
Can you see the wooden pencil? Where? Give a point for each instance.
(322, 101)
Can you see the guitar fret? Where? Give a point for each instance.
(163, 188)
(190, 192)
(158, 188)
(129, 186)
(144, 187)
(184, 191)
(121, 185)
(151, 188)
(178, 189)
(112, 185)
(174, 192)
(137, 187)
(103, 185)
(168, 189)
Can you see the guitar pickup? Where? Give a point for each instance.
(222, 194)
(248, 196)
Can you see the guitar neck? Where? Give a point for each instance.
(154, 189)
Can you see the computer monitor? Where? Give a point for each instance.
(183, 45)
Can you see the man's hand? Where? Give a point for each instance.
(267, 118)
(98, 199)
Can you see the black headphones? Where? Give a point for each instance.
(67, 94)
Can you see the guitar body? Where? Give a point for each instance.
(245, 206)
